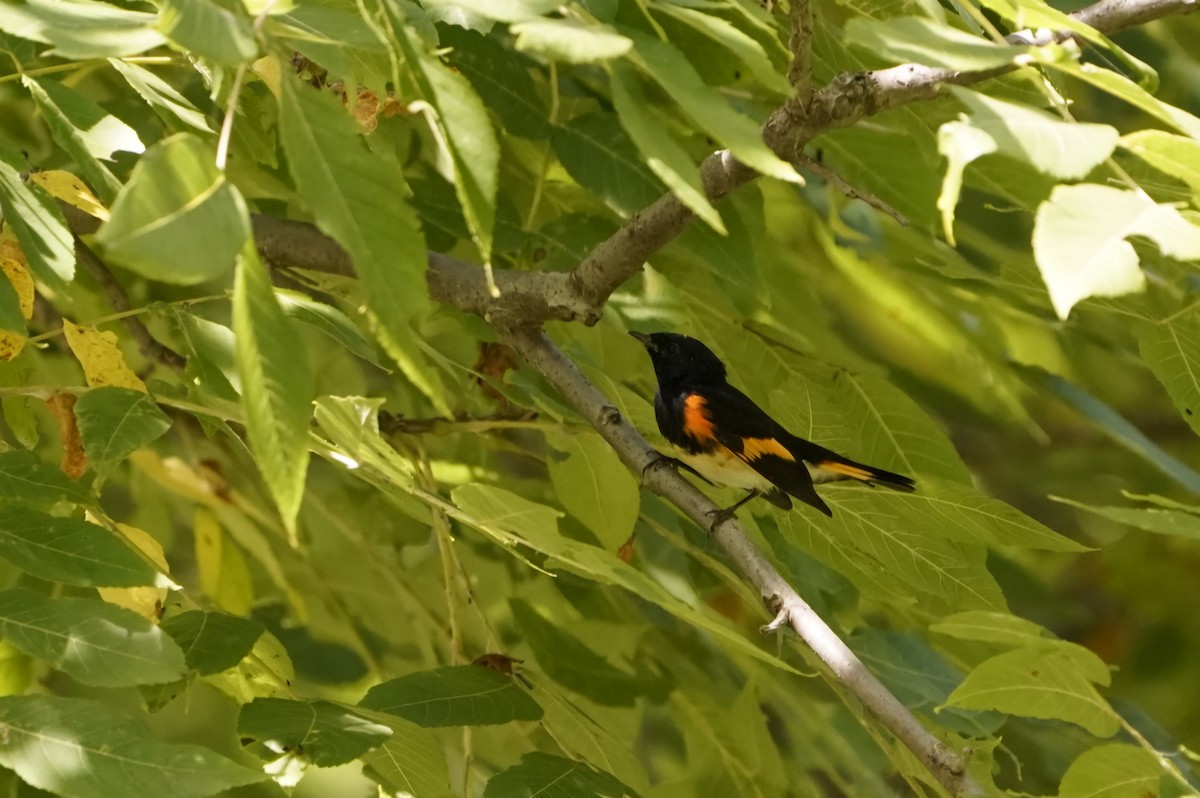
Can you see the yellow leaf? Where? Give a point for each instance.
(71, 190)
(103, 364)
(224, 577)
(16, 669)
(145, 601)
(22, 283)
(270, 71)
(10, 249)
(13, 341)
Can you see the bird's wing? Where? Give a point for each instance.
(737, 423)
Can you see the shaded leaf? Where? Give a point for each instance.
(115, 422)
(410, 761)
(548, 776)
(462, 695)
(26, 479)
(177, 220)
(328, 320)
(161, 96)
(203, 28)
(1161, 521)
(566, 660)
(320, 732)
(93, 641)
(212, 641)
(1171, 348)
(35, 219)
(70, 551)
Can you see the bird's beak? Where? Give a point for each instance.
(646, 340)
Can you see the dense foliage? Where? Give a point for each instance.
(257, 521)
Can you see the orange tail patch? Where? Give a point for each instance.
(854, 472)
(754, 448)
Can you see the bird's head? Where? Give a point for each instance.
(679, 360)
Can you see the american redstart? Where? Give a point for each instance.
(722, 435)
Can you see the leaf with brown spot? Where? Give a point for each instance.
(62, 407)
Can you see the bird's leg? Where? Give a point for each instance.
(720, 516)
(672, 462)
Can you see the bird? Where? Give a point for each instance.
(721, 435)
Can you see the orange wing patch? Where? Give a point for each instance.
(854, 472)
(697, 423)
(754, 448)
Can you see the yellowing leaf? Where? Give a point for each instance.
(265, 672)
(22, 283)
(103, 364)
(71, 190)
(10, 248)
(224, 577)
(13, 341)
(145, 601)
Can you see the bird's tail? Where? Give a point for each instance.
(838, 468)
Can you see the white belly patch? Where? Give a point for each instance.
(723, 468)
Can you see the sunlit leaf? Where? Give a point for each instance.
(1080, 241)
(595, 487)
(81, 28)
(95, 642)
(1118, 770)
(276, 385)
(206, 29)
(1171, 348)
(114, 755)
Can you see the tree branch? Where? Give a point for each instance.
(837, 181)
(151, 349)
(782, 600)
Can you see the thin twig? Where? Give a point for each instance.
(150, 348)
(837, 181)
(391, 424)
(784, 603)
(800, 43)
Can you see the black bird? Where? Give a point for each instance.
(722, 435)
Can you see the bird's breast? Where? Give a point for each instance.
(724, 468)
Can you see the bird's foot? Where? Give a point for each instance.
(718, 517)
(675, 463)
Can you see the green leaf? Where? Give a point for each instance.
(1176, 156)
(504, 514)
(961, 143)
(569, 662)
(461, 695)
(1066, 150)
(502, 79)
(594, 486)
(323, 733)
(11, 317)
(85, 131)
(410, 761)
(547, 776)
(328, 320)
(665, 156)
(203, 28)
(467, 132)
(1118, 428)
(93, 641)
(926, 41)
(1171, 348)
(881, 552)
(70, 551)
(161, 96)
(1121, 87)
(726, 35)
(276, 386)
(115, 422)
(668, 67)
(177, 220)
(357, 198)
(1116, 770)
(571, 41)
(35, 220)
(212, 641)
(600, 157)
(81, 29)
(1009, 630)
(26, 479)
(1079, 240)
(109, 754)
(1176, 523)
(1039, 683)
